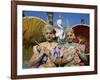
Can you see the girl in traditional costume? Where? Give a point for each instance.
(72, 52)
(42, 56)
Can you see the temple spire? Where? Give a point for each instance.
(82, 21)
(50, 18)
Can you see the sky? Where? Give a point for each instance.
(68, 19)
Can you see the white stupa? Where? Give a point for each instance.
(59, 30)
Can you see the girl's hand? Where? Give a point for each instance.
(38, 48)
(46, 51)
(58, 61)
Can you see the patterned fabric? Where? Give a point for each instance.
(70, 53)
(44, 60)
(57, 52)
